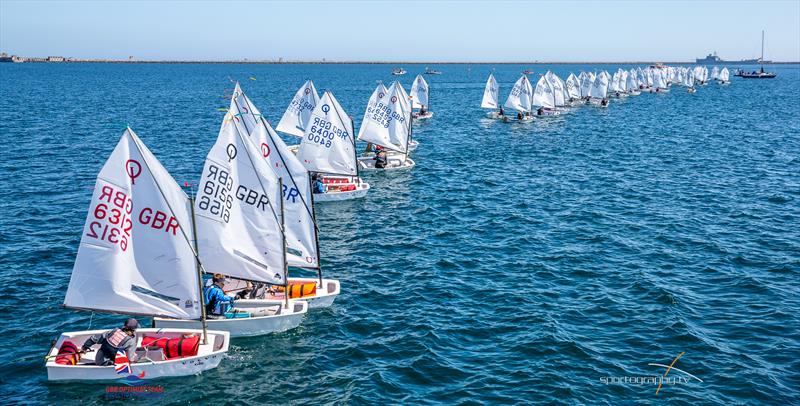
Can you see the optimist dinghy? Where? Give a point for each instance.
(239, 218)
(329, 148)
(136, 257)
(302, 250)
(420, 99)
(599, 92)
(387, 122)
(491, 94)
(298, 113)
(520, 100)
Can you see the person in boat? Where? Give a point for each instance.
(604, 102)
(422, 111)
(217, 302)
(540, 111)
(318, 185)
(380, 159)
(519, 115)
(502, 112)
(111, 341)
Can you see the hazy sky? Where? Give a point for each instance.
(402, 30)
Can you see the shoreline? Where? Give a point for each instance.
(273, 62)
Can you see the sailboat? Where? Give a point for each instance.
(714, 73)
(491, 96)
(689, 83)
(420, 98)
(544, 96)
(659, 82)
(240, 221)
(761, 74)
(724, 77)
(599, 92)
(387, 122)
(302, 242)
(520, 99)
(136, 257)
(587, 80)
(329, 148)
(573, 86)
(632, 83)
(296, 117)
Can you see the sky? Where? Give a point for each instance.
(410, 30)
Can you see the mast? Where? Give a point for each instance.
(285, 262)
(199, 276)
(762, 47)
(316, 235)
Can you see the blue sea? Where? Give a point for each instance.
(548, 262)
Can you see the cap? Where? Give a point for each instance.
(218, 277)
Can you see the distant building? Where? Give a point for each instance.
(55, 59)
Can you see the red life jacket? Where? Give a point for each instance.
(68, 354)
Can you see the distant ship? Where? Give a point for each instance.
(713, 59)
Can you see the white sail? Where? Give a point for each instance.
(724, 75)
(136, 254)
(419, 93)
(559, 88)
(328, 144)
(296, 117)
(614, 86)
(383, 116)
(237, 211)
(543, 95)
(715, 73)
(600, 86)
(301, 233)
(630, 81)
(573, 86)
(400, 130)
(491, 94)
(658, 80)
(586, 84)
(623, 81)
(520, 97)
(371, 133)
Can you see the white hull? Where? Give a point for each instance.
(548, 114)
(208, 357)
(428, 114)
(691, 90)
(495, 115)
(326, 294)
(337, 196)
(635, 93)
(514, 119)
(661, 90)
(394, 162)
(412, 145)
(334, 194)
(285, 319)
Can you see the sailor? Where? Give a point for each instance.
(217, 301)
(502, 112)
(540, 111)
(380, 159)
(112, 341)
(422, 111)
(519, 115)
(318, 185)
(604, 102)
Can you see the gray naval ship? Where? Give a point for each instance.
(713, 59)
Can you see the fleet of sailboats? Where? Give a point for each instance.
(147, 246)
(553, 96)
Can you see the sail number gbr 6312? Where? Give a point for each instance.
(112, 218)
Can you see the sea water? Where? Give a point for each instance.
(553, 261)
